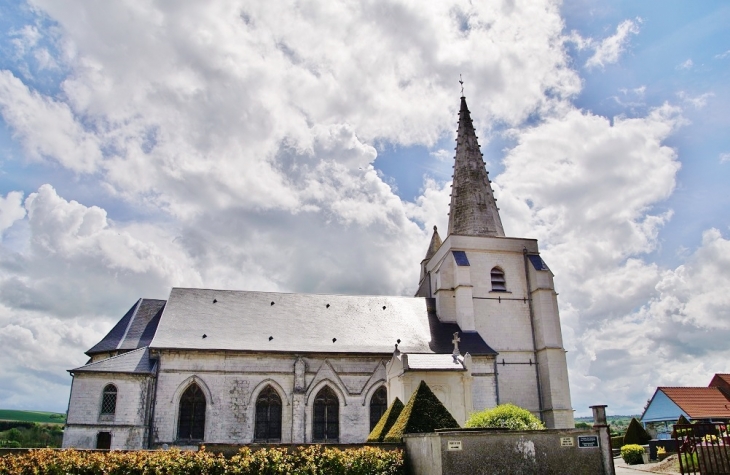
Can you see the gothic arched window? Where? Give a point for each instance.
(499, 284)
(109, 400)
(378, 405)
(326, 417)
(191, 419)
(268, 416)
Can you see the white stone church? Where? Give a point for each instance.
(239, 367)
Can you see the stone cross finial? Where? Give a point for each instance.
(456, 341)
(461, 81)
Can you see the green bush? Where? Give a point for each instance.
(635, 433)
(617, 441)
(423, 413)
(386, 421)
(632, 454)
(505, 416)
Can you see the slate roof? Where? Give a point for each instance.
(204, 319)
(439, 362)
(131, 362)
(134, 330)
(699, 403)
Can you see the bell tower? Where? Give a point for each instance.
(499, 287)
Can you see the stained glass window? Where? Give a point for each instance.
(191, 421)
(268, 416)
(326, 417)
(378, 405)
(109, 400)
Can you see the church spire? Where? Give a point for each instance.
(473, 209)
(434, 245)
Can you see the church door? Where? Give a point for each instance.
(326, 417)
(268, 416)
(191, 421)
(104, 440)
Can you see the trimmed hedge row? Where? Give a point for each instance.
(313, 460)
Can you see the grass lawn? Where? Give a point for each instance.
(32, 416)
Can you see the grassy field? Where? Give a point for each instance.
(32, 416)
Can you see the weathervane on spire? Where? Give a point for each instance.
(462, 85)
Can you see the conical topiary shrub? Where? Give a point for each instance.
(386, 421)
(423, 413)
(684, 431)
(635, 434)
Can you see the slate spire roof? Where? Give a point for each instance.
(434, 245)
(473, 209)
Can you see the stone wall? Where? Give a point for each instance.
(128, 425)
(477, 452)
(232, 382)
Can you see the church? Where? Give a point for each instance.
(240, 367)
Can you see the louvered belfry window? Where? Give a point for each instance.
(109, 400)
(191, 421)
(378, 405)
(499, 284)
(268, 416)
(326, 420)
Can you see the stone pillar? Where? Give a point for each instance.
(298, 412)
(299, 419)
(604, 437)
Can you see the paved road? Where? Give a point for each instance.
(623, 469)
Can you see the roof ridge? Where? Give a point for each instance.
(687, 387)
(298, 293)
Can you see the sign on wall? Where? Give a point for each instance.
(454, 445)
(588, 441)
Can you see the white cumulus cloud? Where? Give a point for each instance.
(609, 50)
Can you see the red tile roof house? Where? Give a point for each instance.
(695, 403)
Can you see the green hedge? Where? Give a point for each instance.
(386, 421)
(423, 413)
(617, 441)
(505, 416)
(313, 460)
(632, 454)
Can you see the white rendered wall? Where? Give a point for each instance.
(503, 319)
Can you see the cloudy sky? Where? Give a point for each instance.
(306, 146)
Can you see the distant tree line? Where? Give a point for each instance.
(30, 434)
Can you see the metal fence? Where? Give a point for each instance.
(703, 449)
